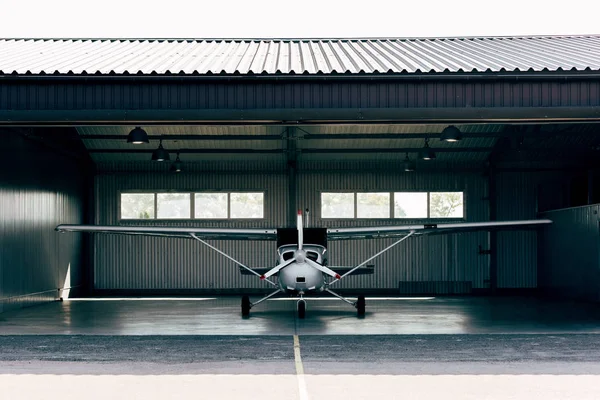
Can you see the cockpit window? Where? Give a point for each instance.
(287, 255)
(311, 255)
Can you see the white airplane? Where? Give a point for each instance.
(303, 268)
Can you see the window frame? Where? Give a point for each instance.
(335, 218)
(192, 195)
(464, 208)
(392, 205)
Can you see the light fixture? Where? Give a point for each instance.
(137, 136)
(408, 165)
(160, 154)
(451, 134)
(177, 165)
(426, 153)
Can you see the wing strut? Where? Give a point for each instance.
(372, 257)
(231, 258)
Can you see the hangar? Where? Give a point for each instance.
(256, 129)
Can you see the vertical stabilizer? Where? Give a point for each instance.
(300, 228)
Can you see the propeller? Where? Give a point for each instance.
(308, 261)
(276, 269)
(323, 269)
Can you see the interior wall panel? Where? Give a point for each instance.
(146, 263)
(518, 250)
(443, 258)
(570, 254)
(39, 189)
(134, 263)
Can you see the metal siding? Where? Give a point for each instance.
(162, 263)
(448, 258)
(298, 56)
(517, 250)
(39, 191)
(168, 263)
(251, 95)
(570, 254)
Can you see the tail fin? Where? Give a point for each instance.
(300, 228)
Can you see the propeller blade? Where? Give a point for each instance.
(276, 269)
(300, 230)
(323, 269)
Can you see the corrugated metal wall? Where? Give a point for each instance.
(38, 190)
(168, 263)
(434, 258)
(570, 254)
(162, 263)
(517, 250)
(89, 94)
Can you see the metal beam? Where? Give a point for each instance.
(400, 150)
(294, 116)
(185, 137)
(307, 151)
(190, 151)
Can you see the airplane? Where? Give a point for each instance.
(302, 268)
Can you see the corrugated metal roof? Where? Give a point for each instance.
(299, 56)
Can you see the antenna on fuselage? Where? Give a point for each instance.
(300, 230)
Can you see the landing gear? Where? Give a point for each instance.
(360, 306)
(301, 308)
(246, 306)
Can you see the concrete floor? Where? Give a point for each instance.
(385, 316)
(451, 348)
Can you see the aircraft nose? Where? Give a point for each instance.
(300, 256)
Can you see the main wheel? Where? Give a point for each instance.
(301, 309)
(245, 306)
(360, 306)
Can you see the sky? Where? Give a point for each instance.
(304, 18)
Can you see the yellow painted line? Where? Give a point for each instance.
(299, 370)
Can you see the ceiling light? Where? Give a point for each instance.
(137, 136)
(426, 153)
(451, 134)
(408, 165)
(177, 165)
(160, 154)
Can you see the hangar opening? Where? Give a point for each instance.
(356, 133)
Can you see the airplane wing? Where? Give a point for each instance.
(366, 270)
(202, 233)
(428, 229)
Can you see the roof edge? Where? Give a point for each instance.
(276, 39)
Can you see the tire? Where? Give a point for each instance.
(245, 306)
(360, 306)
(301, 309)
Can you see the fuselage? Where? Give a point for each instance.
(299, 276)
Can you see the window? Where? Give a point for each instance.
(173, 205)
(203, 205)
(401, 205)
(246, 205)
(137, 205)
(210, 205)
(410, 205)
(337, 205)
(446, 205)
(373, 205)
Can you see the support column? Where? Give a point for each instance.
(292, 173)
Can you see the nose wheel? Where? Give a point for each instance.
(301, 306)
